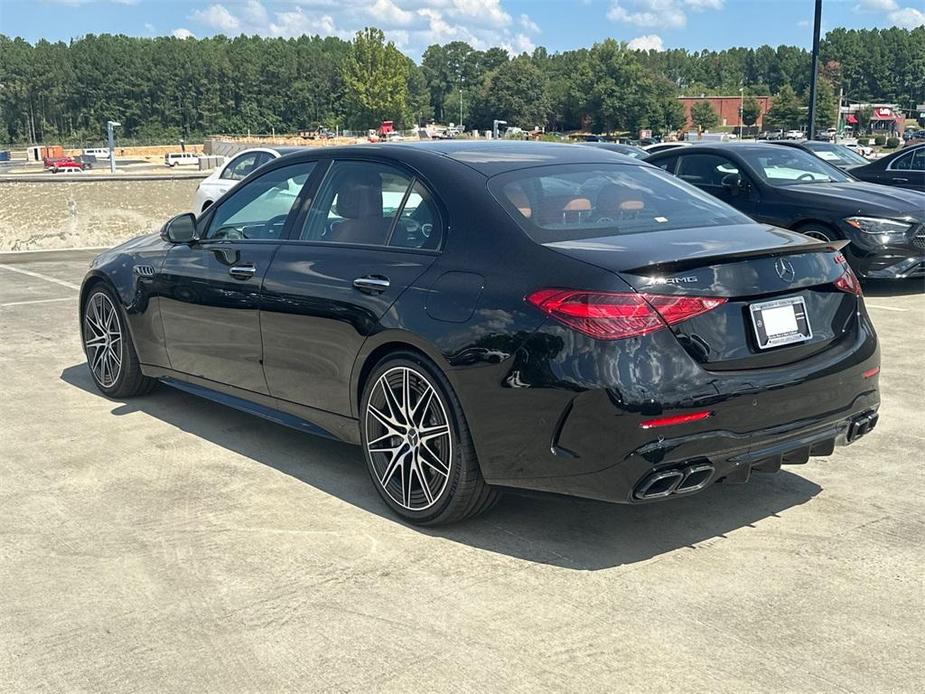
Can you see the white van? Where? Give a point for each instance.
(98, 152)
(181, 159)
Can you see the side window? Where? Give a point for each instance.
(667, 164)
(258, 209)
(361, 202)
(705, 169)
(918, 159)
(241, 166)
(913, 161)
(418, 226)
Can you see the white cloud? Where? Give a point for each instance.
(876, 5)
(217, 17)
(528, 24)
(894, 14)
(648, 42)
(411, 24)
(670, 14)
(907, 18)
(654, 13)
(181, 33)
(803, 23)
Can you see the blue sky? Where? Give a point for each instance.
(515, 24)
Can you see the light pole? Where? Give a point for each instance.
(461, 80)
(815, 74)
(110, 132)
(741, 110)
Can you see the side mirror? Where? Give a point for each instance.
(180, 229)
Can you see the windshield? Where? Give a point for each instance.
(789, 166)
(839, 155)
(566, 202)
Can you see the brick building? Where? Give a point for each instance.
(726, 106)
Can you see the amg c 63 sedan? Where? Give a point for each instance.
(478, 316)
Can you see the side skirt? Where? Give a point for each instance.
(307, 419)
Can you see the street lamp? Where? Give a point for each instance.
(741, 110)
(110, 132)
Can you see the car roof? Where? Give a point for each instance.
(721, 147)
(488, 157)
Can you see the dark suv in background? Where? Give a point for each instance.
(790, 188)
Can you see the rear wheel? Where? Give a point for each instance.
(817, 231)
(417, 444)
(110, 353)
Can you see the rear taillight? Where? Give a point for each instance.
(618, 315)
(848, 282)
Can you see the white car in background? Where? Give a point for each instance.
(863, 150)
(794, 135)
(226, 176)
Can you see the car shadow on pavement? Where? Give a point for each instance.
(884, 288)
(544, 528)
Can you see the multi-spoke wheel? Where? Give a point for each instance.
(417, 445)
(110, 353)
(103, 339)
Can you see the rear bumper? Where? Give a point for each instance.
(595, 446)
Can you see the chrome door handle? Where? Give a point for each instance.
(372, 284)
(901, 180)
(242, 272)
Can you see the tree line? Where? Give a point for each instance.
(165, 88)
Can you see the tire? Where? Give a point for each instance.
(817, 231)
(107, 343)
(427, 473)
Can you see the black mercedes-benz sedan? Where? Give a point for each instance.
(485, 315)
(794, 189)
(904, 168)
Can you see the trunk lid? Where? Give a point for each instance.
(744, 264)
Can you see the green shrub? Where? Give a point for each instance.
(879, 140)
(864, 141)
(892, 143)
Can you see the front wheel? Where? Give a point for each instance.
(417, 444)
(110, 353)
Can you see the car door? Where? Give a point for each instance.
(722, 178)
(370, 232)
(210, 288)
(907, 171)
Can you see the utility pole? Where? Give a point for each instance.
(817, 23)
(110, 132)
(741, 110)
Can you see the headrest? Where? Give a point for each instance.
(614, 198)
(359, 195)
(519, 199)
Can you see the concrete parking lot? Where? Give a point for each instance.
(167, 543)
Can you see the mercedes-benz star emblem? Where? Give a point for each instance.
(784, 269)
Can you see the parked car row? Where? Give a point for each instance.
(788, 187)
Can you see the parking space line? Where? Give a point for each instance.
(887, 308)
(69, 285)
(37, 301)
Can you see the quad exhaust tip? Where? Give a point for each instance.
(680, 480)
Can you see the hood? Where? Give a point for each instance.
(859, 197)
(140, 245)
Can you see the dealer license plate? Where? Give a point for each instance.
(780, 322)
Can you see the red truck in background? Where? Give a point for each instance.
(382, 133)
(54, 163)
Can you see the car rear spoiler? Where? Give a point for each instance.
(735, 256)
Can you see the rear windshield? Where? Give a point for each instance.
(565, 202)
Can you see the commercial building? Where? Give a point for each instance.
(727, 107)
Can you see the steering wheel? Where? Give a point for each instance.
(229, 234)
(806, 177)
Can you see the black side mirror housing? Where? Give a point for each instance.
(180, 229)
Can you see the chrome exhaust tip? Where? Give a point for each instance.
(696, 477)
(658, 485)
(679, 480)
